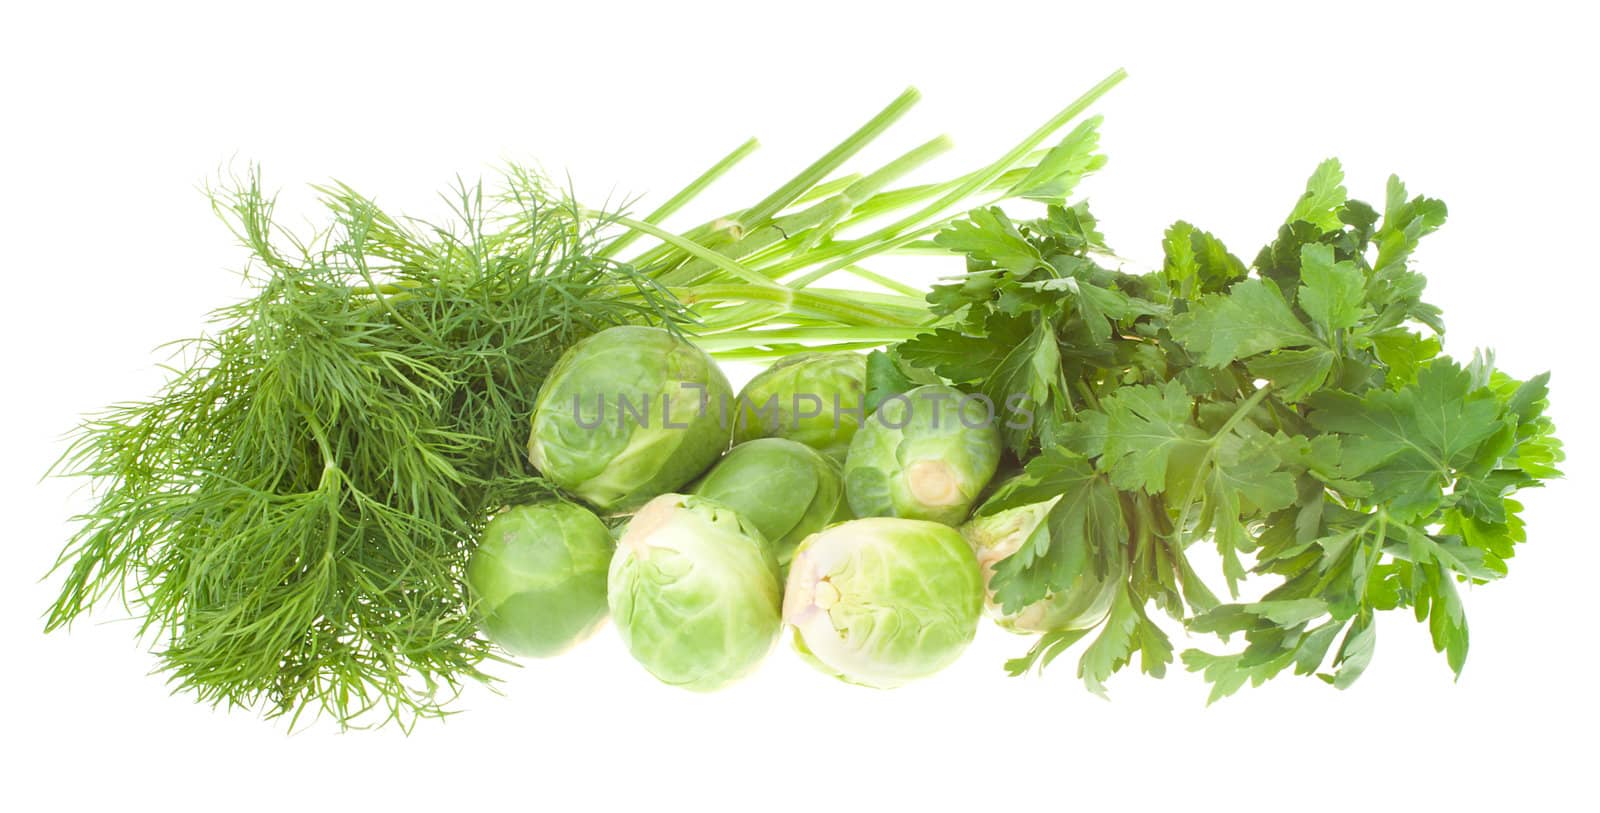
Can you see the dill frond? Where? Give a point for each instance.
(292, 513)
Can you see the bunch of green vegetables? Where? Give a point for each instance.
(292, 514)
(1295, 416)
(417, 447)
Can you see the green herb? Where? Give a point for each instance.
(291, 515)
(1295, 412)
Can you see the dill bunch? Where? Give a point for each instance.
(293, 512)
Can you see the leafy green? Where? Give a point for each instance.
(988, 236)
(1251, 318)
(1088, 520)
(1323, 198)
(1297, 413)
(1331, 293)
(292, 513)
(1408, 444)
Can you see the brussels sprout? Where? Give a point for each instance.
(924, 454)
(625, 415)
(538, 577)
(788, 490)
(881, 601)
(694, 592)
(780, 401)
(1081, 606)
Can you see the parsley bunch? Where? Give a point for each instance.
(1296, 412)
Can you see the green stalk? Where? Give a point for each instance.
(891, 236)
(692, 248)
(688, 193)
(897, 199)
(832, 159)
(771, 354)
(731, 266)
(844, 253)
(829, 188)
(812, 225)
(1008, 160)
(784, 263)
(877, 180)
(770, 235)
(711, 232)
(847, 307)
(750, 228)
(733, 340)
(779, 259)
(1233, 420)
(885, 282)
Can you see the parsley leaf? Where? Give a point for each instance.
(1251, 318)
(1331, 293)
(1087, 519)
(1297, 413)
(1407, 444)
(988, 236)
(1324, 196)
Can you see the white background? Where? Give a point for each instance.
(114, 115)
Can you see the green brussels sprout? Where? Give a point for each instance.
(880, 602)
(626, 415)
(538, 577)
(925, 454)
(694, 592)
(789, 491)
(997, 536)
(780, 401)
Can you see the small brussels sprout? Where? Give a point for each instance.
(881, 601)
(694, 592)
(810, 398)
(924, 454)
(996, 537)
(538, 577)
(626, 414)
(788, 490)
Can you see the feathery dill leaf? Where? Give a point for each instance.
(292, 513)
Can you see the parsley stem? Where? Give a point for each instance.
(1243, 410)
(1211, 450)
